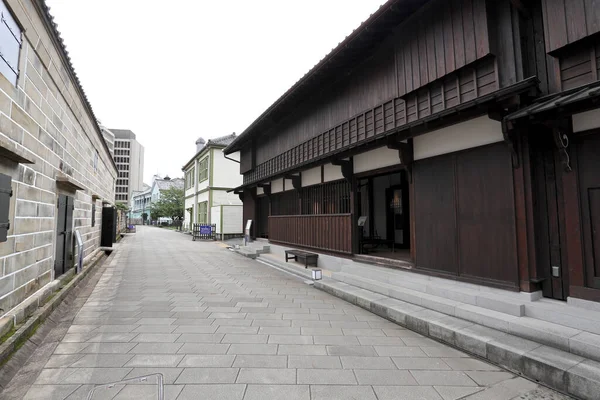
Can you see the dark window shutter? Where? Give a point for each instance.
(5, 195)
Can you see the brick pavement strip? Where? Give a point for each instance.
(220, 326)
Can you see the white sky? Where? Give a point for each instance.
(173, 71)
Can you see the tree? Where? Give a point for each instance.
(170, 204)
(122, 207)
(145, 217)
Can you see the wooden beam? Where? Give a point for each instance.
(266, 187)
(347, 167)
(405, 153)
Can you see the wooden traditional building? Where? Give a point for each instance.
(466, 133)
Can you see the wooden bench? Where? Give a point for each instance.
(309, 258)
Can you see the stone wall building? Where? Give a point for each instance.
(52, 156)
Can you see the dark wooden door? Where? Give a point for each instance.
(262, 216)
(109, 226)
(398, 222)
(64, 235)
(589, 182)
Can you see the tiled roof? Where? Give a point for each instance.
(164, 184)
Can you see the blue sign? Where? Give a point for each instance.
(205, 229)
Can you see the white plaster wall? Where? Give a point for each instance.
(374, 159)
(233, 219)
(215, 217)
(586, 120)
(332, 172)
(260, 191)
(189, 203)
(473, 133)
(226, 173)
(277, 186)
(202, 197)
(311, 176)
(222, 197)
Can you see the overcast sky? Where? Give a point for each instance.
(173, 71)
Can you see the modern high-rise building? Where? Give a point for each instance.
(109, 138)
(129, 157)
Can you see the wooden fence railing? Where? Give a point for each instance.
(331, 232)
(204, 232)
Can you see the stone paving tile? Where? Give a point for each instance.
(384, 377)
(207, 361)
(101, 361)
(208, 375)
(430, 364)
(326, 377)
(154, 360)
(339, 392)
(156, 348)
(44, 392)
(212, 392)
(272, 376)
(406, 393)
(257, 361)
(287, 392)
(443, 378)
(223, 327)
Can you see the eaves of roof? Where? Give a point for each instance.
(357, 45)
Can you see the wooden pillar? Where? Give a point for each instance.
(524, 216)
(572, 221)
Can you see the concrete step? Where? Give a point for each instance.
(453, 293)
(558, 336)
(569, 373)
(564, 314)
(246, 252)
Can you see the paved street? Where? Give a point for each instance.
(220, 326)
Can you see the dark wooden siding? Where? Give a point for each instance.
(371, 83)
(440, 39)
(246, 159)
(486, 214)
(249, 209)
(579, 64)
(567, 21)
(323, 232)
(466, 84)
(465, 214)
(435, 214)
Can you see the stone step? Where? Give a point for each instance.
(547, 333)
(246, 252)
(567, 372)
(406, 289)
(566, 315)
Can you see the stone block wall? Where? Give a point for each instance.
(47, 116)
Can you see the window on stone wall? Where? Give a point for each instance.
(203, 169)
(10, 45)
(203, 212)
(93, 213)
